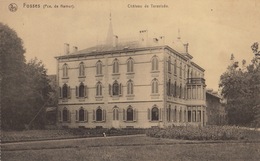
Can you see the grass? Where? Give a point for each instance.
(130, 148)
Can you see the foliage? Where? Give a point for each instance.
(241, 89)
(24, 87)
(202, 133)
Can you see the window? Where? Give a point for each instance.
(81, 114)
(65, 115)
(175, 89)
(169, 113)
(189, 116)
(65, 70)
(180, 69)
(115, 66)
(180, 115)
(155, 63)
(175, 114)
(81, 69)
(199, 116)
(99, 67)
(99, 115)
(115, 88)
(81, 90)
(130, 87)
(65, 91)
(184, 75)
(115, 113)
(175, 67)
(130, 65)
(169, 64)
(181, 91)
(99, 89)
(169, 87)
(155, 114)
(154, 86)
(130, 114)
(193, 116)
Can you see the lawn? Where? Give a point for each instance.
(131, 148)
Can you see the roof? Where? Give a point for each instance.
(129, 46)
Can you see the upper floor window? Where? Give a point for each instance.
(81, 90)
(65, 70)
(181, 91)
(175, 89)
(155, 64)
(175, 67)
(116, 66)
(180, 69)
(130, 65)
(169, 64)
(99, 89)
(184, 74)
(81, 69)
(115, 89)
(130, 87)
(169, 87)
(65, 91)
(155, 86)
(99, 68)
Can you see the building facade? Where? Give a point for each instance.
(216, 112)
(137, 84)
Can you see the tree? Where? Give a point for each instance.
(241, 89)
(12, 66)
(24, 87)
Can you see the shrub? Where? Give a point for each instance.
(203, 133)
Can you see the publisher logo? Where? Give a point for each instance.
(13, 7)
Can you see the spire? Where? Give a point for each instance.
(110, 34)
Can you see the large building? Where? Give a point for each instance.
(134, 84)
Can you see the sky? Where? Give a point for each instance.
(213, 29)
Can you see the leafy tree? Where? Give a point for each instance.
(241, 89)
(24, 87)
(12, 66)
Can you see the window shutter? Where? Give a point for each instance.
(110, 89)
(124, 118)
(103, 115)
(77, 115)
(160, 114)
(86, 115)
(149, 114)
(135, 115)
(120, 89)
(94, 115)
(60, 92)
(69, 92)
(86, 91)
(77, 92)
(60, 116)
(69, 116)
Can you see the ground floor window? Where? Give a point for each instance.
(189, 116)
(115, 113)
(98, 115)
(199, 116)
(130, 114)
(155, 114)
(193, 116)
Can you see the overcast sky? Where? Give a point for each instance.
(213, 29)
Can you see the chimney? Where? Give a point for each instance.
(66, 48)
(75, 49)
(115, 41)
(186, 46)
(143, 37)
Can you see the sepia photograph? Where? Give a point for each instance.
(129, 80)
